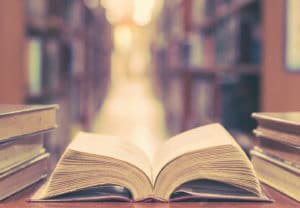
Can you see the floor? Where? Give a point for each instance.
(132, 112)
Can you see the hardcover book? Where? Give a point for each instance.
(277, 173)
(205, 162)
(280, 150)
(19, 177)
(18, 120)
(19, 150)
(280, 126)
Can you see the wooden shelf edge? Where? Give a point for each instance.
(214, 70)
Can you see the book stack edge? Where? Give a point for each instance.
(23, 158)
(276, 156)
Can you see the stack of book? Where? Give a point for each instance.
(276, 157)
(23, 159)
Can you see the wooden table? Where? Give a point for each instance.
(20, 200)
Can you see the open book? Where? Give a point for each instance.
(204, 162)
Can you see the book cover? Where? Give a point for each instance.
(22, 176)
(276, 173)
(281, 121)
(20, 150)
(280, 150)
(18, 120)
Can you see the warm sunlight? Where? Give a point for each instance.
(117, 10)
(143, 11)
(138, 12)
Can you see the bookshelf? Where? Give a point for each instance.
(68, 45)
(222, 12)
(214, 48)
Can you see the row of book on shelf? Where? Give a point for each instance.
(231, 40)
(216, 45)
(23, 158)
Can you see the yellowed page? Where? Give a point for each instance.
(113, 147)
(211, 135)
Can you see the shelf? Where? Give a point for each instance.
(36, 26)
(211, 71)
(207, 73)
(208, 22)
(253, 69)
(47, 95)
(53, 24)
(219, 75)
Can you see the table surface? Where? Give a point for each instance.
(20, 200)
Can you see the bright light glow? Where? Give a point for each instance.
(122, 37)
(142, 12)
(139, 10)
(116, 10)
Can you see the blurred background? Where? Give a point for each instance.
(148, 69)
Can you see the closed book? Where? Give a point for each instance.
(22, 176)
(20, 150)
(276, 135)
(18, 120)
(280, 126)
(289, 153)
(277, 173)
(205, 162)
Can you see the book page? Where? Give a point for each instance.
(211, 135)
(114, 147)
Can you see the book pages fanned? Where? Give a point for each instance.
(204, 162)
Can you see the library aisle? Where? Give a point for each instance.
(132, 112)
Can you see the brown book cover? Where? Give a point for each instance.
(18, 120)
